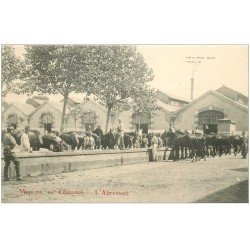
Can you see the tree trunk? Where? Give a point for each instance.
(107, 120)
(139, 125)
(65, 101)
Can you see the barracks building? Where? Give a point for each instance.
(223, 111)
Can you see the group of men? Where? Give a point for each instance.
(9, 151)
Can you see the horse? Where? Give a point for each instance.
(108, 140)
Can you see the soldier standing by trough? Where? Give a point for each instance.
(25, 142)
(9, 144)
(244, 146)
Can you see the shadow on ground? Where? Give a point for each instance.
(240, 169)
(237, 193)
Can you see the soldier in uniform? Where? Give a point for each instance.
(120, 139)
(154, 145)
(244, 145)
(9, 143)
(171, 127)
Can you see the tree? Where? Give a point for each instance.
(56, 69)
(120, 73)
(145, 100)
(76, 113)
(10, 69)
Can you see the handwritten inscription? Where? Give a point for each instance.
(60, 191)
(108, 192)
(64, 191)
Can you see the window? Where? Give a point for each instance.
(12, 120)
(210, 116)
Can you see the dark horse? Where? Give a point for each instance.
(190, 145)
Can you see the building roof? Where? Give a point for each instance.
(58, 106)
(231, 90)
(27, 109)
(174, 96)
(216, 94)
(167, 107)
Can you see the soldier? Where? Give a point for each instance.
(25, 142)
(244, 145)
(171, 127)
(154, 145)
(9, 143)
(120, 138)
(89, 141)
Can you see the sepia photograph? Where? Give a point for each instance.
(124, 123)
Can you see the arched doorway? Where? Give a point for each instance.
(141, 121)
(208, 120)
(89, 121)
(47, 121)
(12, 120)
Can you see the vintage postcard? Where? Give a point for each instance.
(124, 123)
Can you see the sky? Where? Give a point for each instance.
(211, 66)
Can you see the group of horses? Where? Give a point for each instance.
(58, 142)
(198, 146)
(183, 145)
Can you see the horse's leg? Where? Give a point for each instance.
(182, 152)
(177, 153)
(186, 153)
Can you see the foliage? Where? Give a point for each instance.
(76, 113)
(120, 73)
(10, 69)
(56, 69)
(145, 100)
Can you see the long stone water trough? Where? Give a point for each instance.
(44, 163)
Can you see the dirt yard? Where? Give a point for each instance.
(215, 180)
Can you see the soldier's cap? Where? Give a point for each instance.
(10, 127)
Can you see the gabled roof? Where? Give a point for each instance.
(94, 102)
(56, 105)
(167, 107)
(232, 90)
(174, 96)
(24, 108)
(217, 94)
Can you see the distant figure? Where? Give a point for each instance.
(171, 128)
(144, 141)
(120, 137)
(120, 126)
(9, 144)
(244, 145)
(154, 145)
(25, 142)
(88, 129)
(89, 142)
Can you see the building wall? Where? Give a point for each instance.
(89, 106)
(159, 121)
(188, 118)
(35, 118)
(22, 121)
